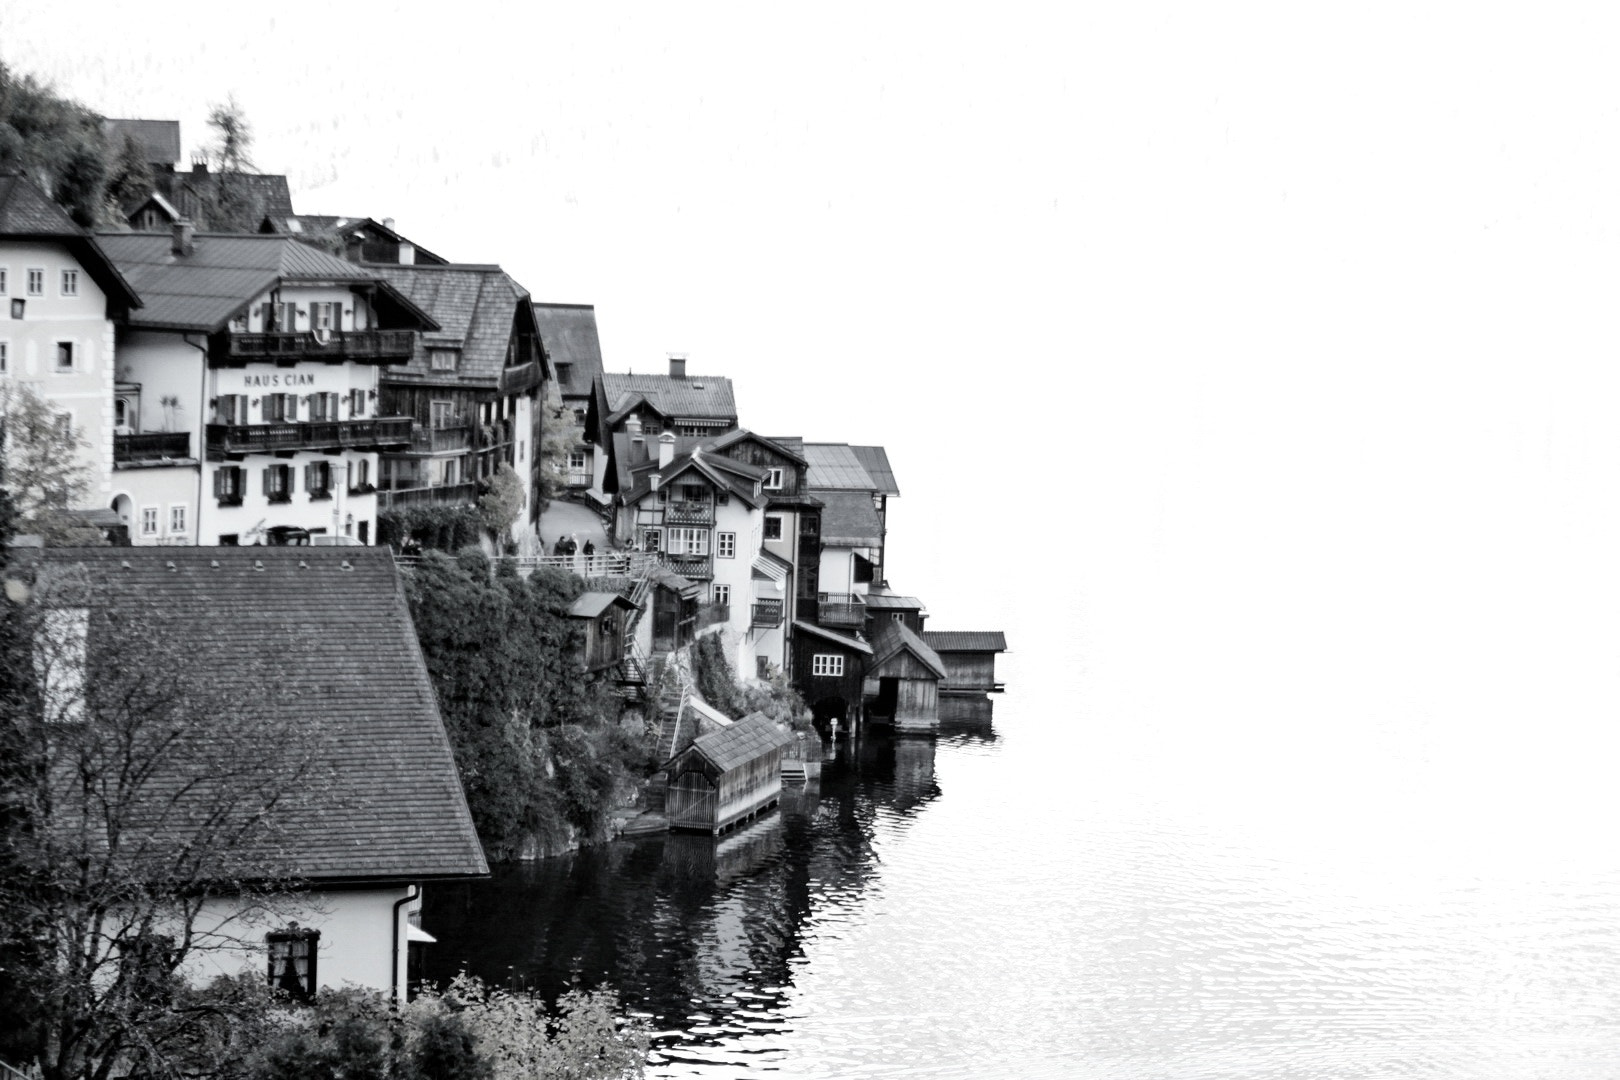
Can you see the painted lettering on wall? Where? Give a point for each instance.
(291, 378)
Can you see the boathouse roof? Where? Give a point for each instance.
(751, 737)
(883, 601)
(895, 638)
(589, 605)
(966, 640)
(854, 644)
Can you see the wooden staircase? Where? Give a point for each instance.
(793, 771)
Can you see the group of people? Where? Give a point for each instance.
(569, 545)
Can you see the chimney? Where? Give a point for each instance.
(388, 223)
(407, 254)
(666, 449)
(677, 365)
(183, 231)
(652, 482)
(632, 427)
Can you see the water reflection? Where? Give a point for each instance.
(704, 937)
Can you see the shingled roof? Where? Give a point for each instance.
(569, 331)
(896, 637)
(737, 744)
(696, 397)
(966, 640)
(333, 629)
(27, 213)
(848, 519)
(223, 274)
(475, 306)
(842, 467)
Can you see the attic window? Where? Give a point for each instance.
(444, 359)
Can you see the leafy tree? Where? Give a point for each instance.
(560, 433)
(129, 179)
(231, 203)
(46, 472)
(56, 141)
(136, 786)
(503, 502)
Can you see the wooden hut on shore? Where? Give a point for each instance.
(727, 776)
(970, 660)
(902, 681)
(602, 616)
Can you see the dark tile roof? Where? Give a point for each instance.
(159, 138)
(348, 229)
(26, 212)
(731, 438)
(589, 605)
(570, 337)
(894, 637)
(474, 306)
(698, 397)
(190, 191)
(341, 644)
(721, 471)
(793, 444)
(966, 640)
(737, 744)
(848, 519)
(224, 272)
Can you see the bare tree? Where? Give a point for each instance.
(143, 799)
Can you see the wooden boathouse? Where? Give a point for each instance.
(602, 617)
(726, 777)
(902, 681)
(970, 660)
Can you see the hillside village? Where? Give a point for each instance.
(280, 429)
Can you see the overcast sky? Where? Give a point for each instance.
(1262, 362)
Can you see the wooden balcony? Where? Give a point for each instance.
(379, 433)
(390, 498)
(151, 447)
(689, 513)
(767, 613)
(691, 567)
(840, 609)
(441, 440)
(374, 346)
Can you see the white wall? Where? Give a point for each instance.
(357, 943)
(31, 346)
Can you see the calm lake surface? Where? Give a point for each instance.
(1028, 897)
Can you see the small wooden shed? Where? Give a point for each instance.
(603, 616)
(727, 776)
(970, 658)
(902, 681)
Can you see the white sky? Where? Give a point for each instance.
(1260, 361)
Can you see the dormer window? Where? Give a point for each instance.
(773, 479)
(443, 359)
(70, 283)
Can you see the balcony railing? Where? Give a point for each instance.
(379, 433)
(767, 613)
(389, 498)
(693, 567)
(577, 477)
(689, 513)
(387, 345)
(840, 609)
(441, 440)
(151, 446)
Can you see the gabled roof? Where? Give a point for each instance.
(268, 191)
(475, 305)
(966, 640)
(331, 630)
(737, 744)
(569, 331)
(698, 397)
(841, 467)
(669, 579)
(794, 454)
(591, 604)
(800, 626)
(897, 637)
(27, 213)
(223, 274)
(848, 519)
(159, 139)
(732, 476)
(313, 228)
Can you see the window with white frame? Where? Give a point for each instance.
(177, 519)
(278, 483)
(293, 955)
(827, 664)
(321, 316)
(576, 461)
(773, 526)
(323, 406)
(725, 545)
(720, 594)
(70, 283)
(64, 356)
(773, 478)
(897, 616)
(357, 403)
(149, 521)
(443, 359)
(318, 480)
(36, 281)
(684, 541)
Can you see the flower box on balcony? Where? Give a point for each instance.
(230, 500)
(363, 489)
(279, 497)
(320, 496)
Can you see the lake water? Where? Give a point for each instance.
(1030, 896)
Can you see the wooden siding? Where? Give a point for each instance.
(825, 688)
(702, 797)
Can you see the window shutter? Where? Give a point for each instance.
(219, 482)
(269, 484)
(309, 477)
